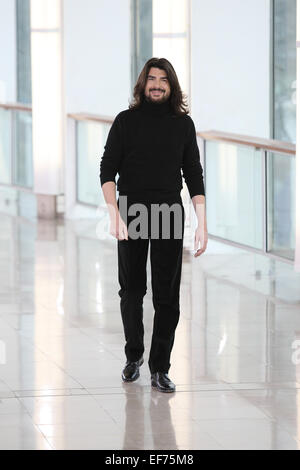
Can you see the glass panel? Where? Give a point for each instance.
(141, 36)
(234, 193)
(281, 204)
(285, 70)
(16, 202)
(169, 16)
(23, 168)
(91, 138)
(23, 51)
(5, 146)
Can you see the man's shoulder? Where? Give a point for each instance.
(189, 122)
(187, 118)
(186, 122)
(124, 114)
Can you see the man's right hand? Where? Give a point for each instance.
(118, 227)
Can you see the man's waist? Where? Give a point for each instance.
(153, 195)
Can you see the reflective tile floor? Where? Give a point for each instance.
(236, 358)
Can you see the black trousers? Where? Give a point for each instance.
(166, 266)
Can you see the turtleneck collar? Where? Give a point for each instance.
(156, 109)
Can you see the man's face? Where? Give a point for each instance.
(157, 89)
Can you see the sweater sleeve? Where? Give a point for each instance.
(191, 167)
(112, 155)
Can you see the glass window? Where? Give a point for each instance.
(284, 58)
(23, 51)
(141, 36)
(281, 182)
(23, 168)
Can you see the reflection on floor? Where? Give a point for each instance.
(235, 360)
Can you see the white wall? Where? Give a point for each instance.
(97, 55)
(7, 51)
(230, 65)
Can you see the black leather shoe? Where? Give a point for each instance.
(161, 382)
(131, 371)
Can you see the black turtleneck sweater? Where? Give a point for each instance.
(148, 147)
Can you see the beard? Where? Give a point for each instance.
(162, 99)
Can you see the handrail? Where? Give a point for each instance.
(256, 142)
(91, 117)
(251, 141)
(16, 106)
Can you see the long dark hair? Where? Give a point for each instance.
(177, 97)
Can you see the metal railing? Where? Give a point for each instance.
(250, 192)
(249, 183)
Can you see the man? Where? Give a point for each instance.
(148, 145)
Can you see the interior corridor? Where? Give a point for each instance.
(234, 361)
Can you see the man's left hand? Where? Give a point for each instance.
(201, 237)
